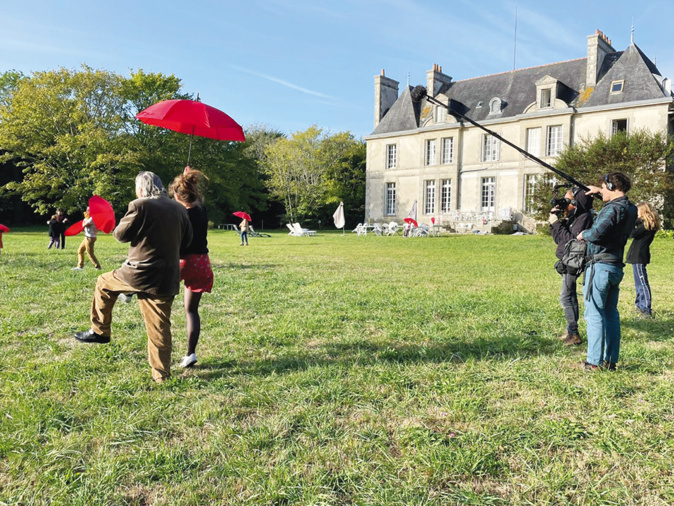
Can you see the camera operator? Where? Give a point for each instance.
(606, 244)
(578, 209)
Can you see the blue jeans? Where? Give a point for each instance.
(244, 236)
(602, 281)
(643, 301)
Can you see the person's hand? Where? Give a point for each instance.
(593, 190)
(580, 237)
(553, 218)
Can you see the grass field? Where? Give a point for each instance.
(334, 370)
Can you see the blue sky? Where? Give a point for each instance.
(288, 64)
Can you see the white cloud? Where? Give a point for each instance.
(284, 83)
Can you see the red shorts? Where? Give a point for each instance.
(196, 271)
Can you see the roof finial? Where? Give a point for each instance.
(408, 78)
(632, 37)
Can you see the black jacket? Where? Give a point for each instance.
(640, 252)
(578, 220)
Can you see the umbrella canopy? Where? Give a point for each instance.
(102, 213)
(75, 228)
(412, 221)
(3, 229)
(242, 215)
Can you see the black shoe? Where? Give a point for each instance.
(89, 336)
(609, 366)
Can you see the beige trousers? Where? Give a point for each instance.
(156, 313)
(88, 246)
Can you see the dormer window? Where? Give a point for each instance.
(479, 104)
(440, 114)
(495, 105)
(617, 87)
(546, 97)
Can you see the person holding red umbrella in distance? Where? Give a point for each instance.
(195, 266)
(243, 226)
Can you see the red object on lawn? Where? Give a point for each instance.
(412, 221)
(192, 117)
(75, 228)
(242, 215)
(3, 229)
(102, 213)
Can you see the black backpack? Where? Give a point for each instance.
(574, 258)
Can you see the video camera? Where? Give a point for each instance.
(561, 203)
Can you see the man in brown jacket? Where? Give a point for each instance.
(156, 228)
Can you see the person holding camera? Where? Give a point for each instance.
(576, 209)
(606, 241)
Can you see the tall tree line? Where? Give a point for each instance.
(67, 134)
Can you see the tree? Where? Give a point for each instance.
(305, 171)
(645, 157)
(66, 129)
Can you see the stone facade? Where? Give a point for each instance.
(458, 174)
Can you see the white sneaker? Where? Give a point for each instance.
(189, 360)
(125, 297)
(77, 269)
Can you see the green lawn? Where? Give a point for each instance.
(334, 370)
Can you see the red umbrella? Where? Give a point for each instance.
(3, 229)
(242, 215)
(194, 118)
(102, 213)
(412, 221)
(75, 228)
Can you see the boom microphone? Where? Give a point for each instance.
(419, 92)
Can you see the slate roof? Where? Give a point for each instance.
(517, 89)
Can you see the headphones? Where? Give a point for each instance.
(609, 185)
(574, 193)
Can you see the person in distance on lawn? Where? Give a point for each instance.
(90, 233)
(578, 218)
(639, 255)
(156, 228)
(53, 232)
(606, 244)
(195, 266)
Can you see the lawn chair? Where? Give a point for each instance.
(293, 232)
(377, 229)
(357, 229)
(392, 228)
(303, 231)
(253, 233)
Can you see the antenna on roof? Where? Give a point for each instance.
(515, 49)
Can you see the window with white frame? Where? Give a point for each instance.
(390, 199)
(391, 156)
(440, 114)
(448, 150)
(618, 125)
(534, 141)
(488, 194)
(490, 148)
(431, 150)
(617, 87)
(530, 181)
(446, 197)
(546, 98)
(429, 197)
(554, 140)
(495, 105)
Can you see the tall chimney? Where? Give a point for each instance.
(435, 79)
(385, 94)
(598, 46)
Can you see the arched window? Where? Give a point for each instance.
(495, 105)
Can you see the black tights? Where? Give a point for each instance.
(192, 300)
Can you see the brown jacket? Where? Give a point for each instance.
(157, 228)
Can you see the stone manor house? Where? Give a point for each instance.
(462, 176)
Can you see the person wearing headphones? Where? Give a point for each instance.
(606, 241)
(578, 217)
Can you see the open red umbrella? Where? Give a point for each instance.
(3, 229)
(242, 215)
(194, 118)
(412, 221)
(75, 228)
(102, 213)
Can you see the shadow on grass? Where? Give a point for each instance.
(365, 353)
(242, 267)
(657, 329)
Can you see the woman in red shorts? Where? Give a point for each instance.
(195, 267)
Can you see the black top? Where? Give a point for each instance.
(639, 252)
(54, 228)
(199, 220)
(578, 220)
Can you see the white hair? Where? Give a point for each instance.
(149, 185)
